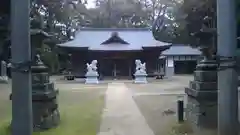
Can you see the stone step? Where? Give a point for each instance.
(202, 95)
(205, 76)
(203, 86)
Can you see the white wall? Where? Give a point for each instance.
(170, 62)
(169, 66)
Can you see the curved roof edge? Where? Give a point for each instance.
(181, 50)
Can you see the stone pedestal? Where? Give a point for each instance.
(201, 111)
(3, 79)
(91, 78)
(140, 78)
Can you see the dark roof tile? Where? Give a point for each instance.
(93, 37)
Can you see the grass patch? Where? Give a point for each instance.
(80, 114)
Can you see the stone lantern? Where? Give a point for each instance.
(201, 109)
(44, 95)
(45, 108)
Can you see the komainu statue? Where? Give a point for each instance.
(140, 74)
(92, 73)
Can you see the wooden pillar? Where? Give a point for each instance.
(114, 70)
(130, 68)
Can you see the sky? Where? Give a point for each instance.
(91, 4)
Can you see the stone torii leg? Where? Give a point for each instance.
(227, 76)
(21, 81)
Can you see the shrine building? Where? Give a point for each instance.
(116, 50)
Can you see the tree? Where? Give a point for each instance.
(4, 29)
(58, 18)
(187, 19)
(129, 13)
(167, 25)
(117, 13)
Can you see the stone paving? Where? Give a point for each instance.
(121, 115)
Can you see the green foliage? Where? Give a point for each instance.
(192, 14)
(50, 58)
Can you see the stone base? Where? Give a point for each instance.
(140, 79)
(202, 115)
(91, 80)
(3, 79)
(201, 110)
(45, 114)
(42, 120)
(69, 77)
(48, 123)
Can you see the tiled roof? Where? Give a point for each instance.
(181, 50)
(94, 37)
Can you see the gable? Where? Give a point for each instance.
(115, 39)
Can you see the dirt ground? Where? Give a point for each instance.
(156, 110)
(157, 101)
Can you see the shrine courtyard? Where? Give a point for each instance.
(96, 109)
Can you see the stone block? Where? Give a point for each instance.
(203, 86)
(43, 87)
(44, 96)
(140, 78)
(205, 76)
(202, 114)
(91, 80)
(202, 95)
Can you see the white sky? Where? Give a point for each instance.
(91, 4)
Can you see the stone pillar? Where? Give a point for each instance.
(3, 68)
(115, 70)
(158, 67)
(21, 81)
(169, 67)
(227, 76)
(130, 69)
(3, 77)
(201, 111)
